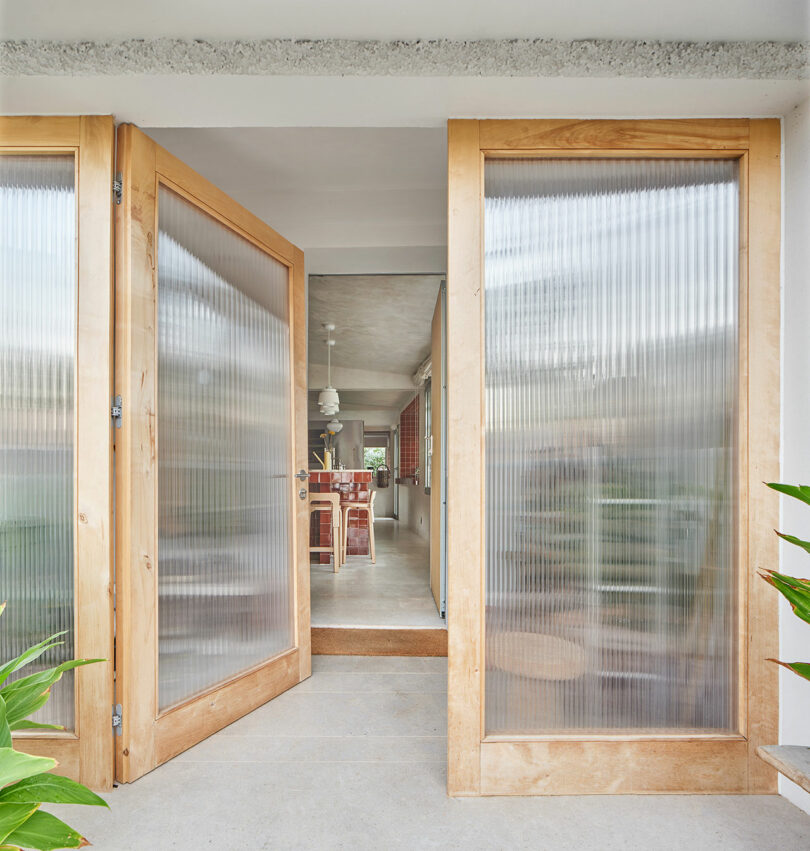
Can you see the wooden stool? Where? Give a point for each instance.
(368, 507)
(328, 502)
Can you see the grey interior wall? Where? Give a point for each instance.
(348, 443)
(794, 634)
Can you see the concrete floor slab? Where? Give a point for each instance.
(393, 592)
(324, 769)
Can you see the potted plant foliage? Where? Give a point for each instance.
(25, 780)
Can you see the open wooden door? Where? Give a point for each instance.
(56, 468)
(212, 562)
(613, 399)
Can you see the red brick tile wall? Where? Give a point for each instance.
(409, 439)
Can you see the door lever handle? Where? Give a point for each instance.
(302, 474)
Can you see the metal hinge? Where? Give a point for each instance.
(117, 718)
(118, 187)
(117, 411)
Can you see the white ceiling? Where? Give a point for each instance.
(382, 333)
(328, 188)
(382, 322)
(689, 20)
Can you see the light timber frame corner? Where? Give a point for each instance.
(481, 765)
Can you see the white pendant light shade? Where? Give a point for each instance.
(329, 398)
(334, 425)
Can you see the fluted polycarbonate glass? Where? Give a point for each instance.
(611, 304)
(38, 279)
(224, 412)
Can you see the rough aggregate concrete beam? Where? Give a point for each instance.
(437, 58)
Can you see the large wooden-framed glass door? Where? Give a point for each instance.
(56, 231)
(613, 398)
(211, 546)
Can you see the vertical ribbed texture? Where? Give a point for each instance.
(37, 360)
(611, 385)
(224, 553)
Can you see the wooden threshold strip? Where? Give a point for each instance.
(372, 641)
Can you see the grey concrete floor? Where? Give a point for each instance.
(393, 592)
(354, 758)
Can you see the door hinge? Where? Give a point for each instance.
(117, 411)
(118, 187)
(117, 718)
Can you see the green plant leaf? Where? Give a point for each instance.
(795, 591)
(29, 655)
(800, 492)
(47, 677)
(16, 765)
(24, 702)
(45, 832)
(5, 730)
(14, 815)
(50, 789)
(800, 668)
(792, 539)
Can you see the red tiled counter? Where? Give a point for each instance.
(353, 486)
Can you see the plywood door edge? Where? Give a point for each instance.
(136, 456)
(298, 366)
(464, 468)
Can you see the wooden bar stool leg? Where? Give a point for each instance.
(370, 513)
(345, 533)
(337, 549)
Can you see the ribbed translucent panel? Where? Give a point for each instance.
(224, 552)
(38, 277)
(611, 383)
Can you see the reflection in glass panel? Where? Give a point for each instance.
(37, 358)
(611, 376)
(225, 593)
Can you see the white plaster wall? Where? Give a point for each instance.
(794, 634)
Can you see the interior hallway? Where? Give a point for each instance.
(393, 592)
(355, 758)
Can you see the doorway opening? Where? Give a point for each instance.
(376, 341)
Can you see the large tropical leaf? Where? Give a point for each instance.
(795, 591)
(29, 655)
(35, 725)
(46, 833)
(14, 815)
(47, 677)
(25, 702)
(800, 492)
(800, 668)
(15, 765)
(792, 539)
(5, 730)
(50, 789)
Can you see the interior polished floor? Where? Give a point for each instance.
(393, 592)
(354, 758)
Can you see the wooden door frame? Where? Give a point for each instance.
(504, 765)
(86, 753)
(150, 737)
